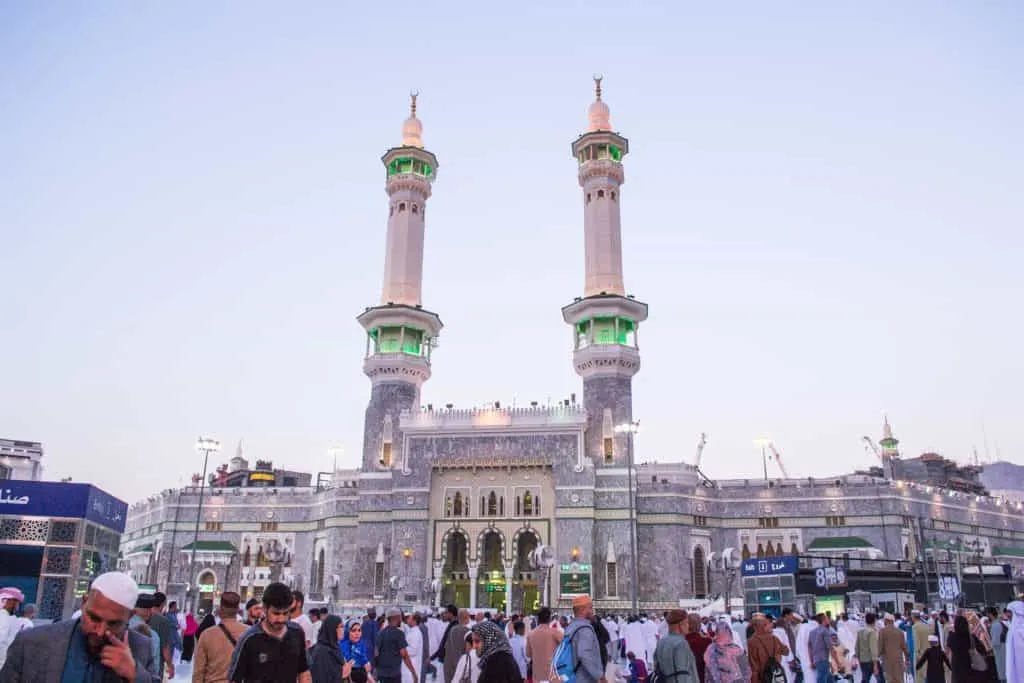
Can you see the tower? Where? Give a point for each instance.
(399, 331)
(890, 450)
(604, 319)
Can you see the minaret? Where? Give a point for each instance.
(604, 319)
(890, 449)
(400, 332)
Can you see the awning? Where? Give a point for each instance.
(839, 543)
(211, 547)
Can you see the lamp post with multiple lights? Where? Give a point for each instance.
(629, 429)
(204, 445)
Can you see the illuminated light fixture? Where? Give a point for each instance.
(407, 553)
(575, 554)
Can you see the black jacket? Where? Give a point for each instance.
(500, 667)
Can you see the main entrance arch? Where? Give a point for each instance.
(491, 585)
(526, 591)
(455, 584)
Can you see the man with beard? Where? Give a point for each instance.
(253, 612)
(89, 648)
(274, 650)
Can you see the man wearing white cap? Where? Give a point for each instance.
(96, 648)
(10, 598)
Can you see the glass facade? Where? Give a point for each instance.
(769, 594)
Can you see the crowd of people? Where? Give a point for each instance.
(120, 634)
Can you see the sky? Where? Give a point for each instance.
(822, 208)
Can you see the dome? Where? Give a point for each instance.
(599, 114)
(412, 132)
(412, 129)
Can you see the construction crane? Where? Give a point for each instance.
(704, 479)
(873, 446)
(778, 459)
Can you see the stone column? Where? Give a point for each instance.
(440, 584)
(508, 589)
(472, 585)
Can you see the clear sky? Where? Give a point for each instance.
(823, 208)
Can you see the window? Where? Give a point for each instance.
(378, 579)
(492, 505)
(391, 211)
(700, 520)
(611, 580)
(835, 520)
(320, 572)
(321, 524)
(267, 526)
(793, 550)
(483, 506)
(415, 209)
(401, 207)
(385, 455)
(457, 507)
(699, 573)
(246, 557)
(609, 450)
(528, 503)
(613, 195)
(600, 194)
(745, 553)
(215, 526)
(768, 522)
(588, 198)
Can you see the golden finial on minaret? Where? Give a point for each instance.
(597, 85)
(412, 129)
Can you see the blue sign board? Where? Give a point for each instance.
(769, 566)
(57, 499)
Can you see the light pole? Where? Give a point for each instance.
(763, 443)
(629, 429)
(204, 445)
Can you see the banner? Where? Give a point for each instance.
(58, 499)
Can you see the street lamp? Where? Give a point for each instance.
(629, 429)
(204, 445)
(763, 443)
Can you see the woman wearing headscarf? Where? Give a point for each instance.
(326, 663)
(208, 622)
(497, 665)
(979, 630)
(353, 649)
(960, 643)
(724, 660)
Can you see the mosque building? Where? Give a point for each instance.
(510, 507)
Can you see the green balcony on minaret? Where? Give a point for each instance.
(410, 165)
(604, 330)
(600, 152)
(398, 339)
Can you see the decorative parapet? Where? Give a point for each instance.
(532, 418)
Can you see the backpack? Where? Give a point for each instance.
(773, 672)
(565, 663)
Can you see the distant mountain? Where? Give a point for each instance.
(1003, 476)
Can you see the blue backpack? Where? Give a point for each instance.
(565, 663)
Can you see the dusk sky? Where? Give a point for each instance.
(824, 207)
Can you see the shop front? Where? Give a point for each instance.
(769, 584)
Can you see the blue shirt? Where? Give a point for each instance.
(354, 652)
(820, 643)
(370, 634)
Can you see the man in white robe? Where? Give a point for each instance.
(415, 644)
(1015, 643)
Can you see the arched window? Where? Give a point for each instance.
(769, 551)
(588, 198)
(401, 207)
(391, 210)
(458, 504)
(906, 552)
(528, 503)
(261, 558)
(600, 194)
(492, 505)
(745, 553)
(760, 550)
(793, 550)
(699, 573)
(613, 195)
(415, 209)
(320, 571)
(778, 549)
(536, 505)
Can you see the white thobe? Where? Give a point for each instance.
(414, 646)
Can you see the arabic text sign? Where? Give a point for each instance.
(769, 566)
(827, 577)
(56, 499)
